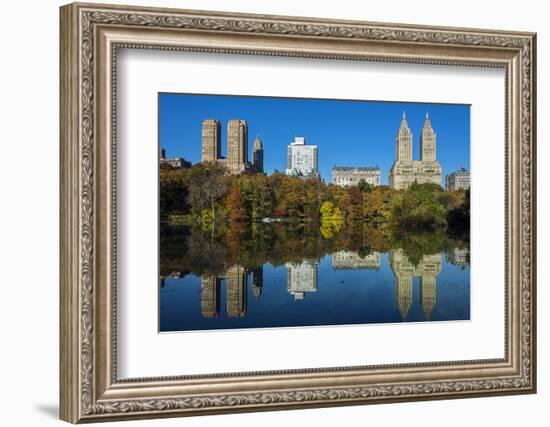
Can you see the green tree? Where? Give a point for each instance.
(364, 186)
(419, 208)
(173, 192)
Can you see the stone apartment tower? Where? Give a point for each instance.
(427, 142)
(258, 156)
(405, 171)
(237, 145)
(211, 140)
(403, 142)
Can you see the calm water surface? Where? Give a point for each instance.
(235, 289)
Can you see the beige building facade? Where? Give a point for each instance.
(347, 176)
(237, 145)
(406, 171)
(459, 180)
(211, 140)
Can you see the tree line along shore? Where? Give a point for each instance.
(206, 196)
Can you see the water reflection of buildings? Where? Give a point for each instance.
(427, 269)
(459, 257)
(210, 296)
(257, 281)
(172, 275)
(345, 260)
(236, 281)
(302, 277)
(235, 277)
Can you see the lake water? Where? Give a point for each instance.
(339, 287)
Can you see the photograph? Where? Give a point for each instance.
(294, 212)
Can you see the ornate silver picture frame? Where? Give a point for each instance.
(91, 391)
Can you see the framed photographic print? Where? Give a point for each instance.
(266, 212)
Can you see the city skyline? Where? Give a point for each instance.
(367, 128)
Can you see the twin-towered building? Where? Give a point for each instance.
(237, 146)
(303, 159)
(406, 171)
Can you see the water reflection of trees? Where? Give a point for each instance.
(237, 255)
(190, 250)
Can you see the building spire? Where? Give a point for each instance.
(404, 124)
(427, 123)
(257, 143)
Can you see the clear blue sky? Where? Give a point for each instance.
(348, 133)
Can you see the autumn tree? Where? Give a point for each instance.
(354, 204)
(206, 185)
(258, 196)
(235, 205)
(377, 204)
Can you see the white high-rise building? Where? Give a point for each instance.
(302, 159)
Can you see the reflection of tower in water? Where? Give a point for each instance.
(257, 281)
(210, 296)
(301, 278)
(235, 290)
(404, 293)
(428, 294)
(427, 269)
